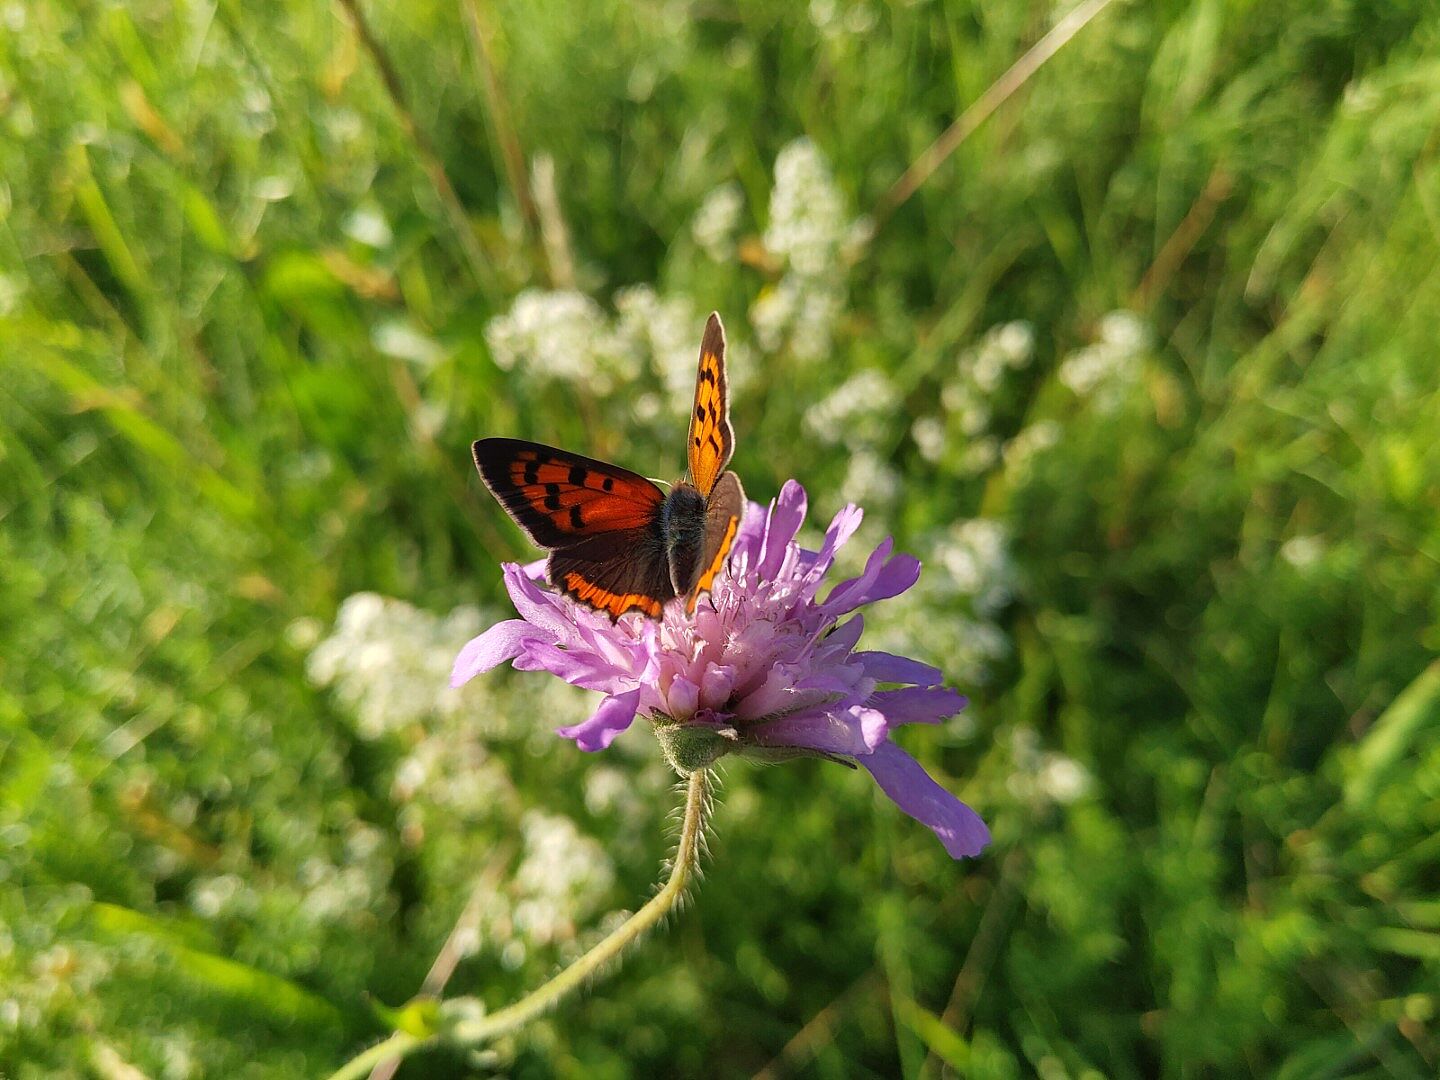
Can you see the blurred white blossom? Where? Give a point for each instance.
(869, 479)
(562, 879)
(1062, 779)
(969, 578)
(836, 19)
(1045, 776)
(1029, 442)
(366, 225)
(967, 395)
(403, 340)
(561, 335)
(856, 412)
(928, 432)
(808, 218)
(390, 662)
(663, 330)
(717, 221)
(811, 232)
(1303, 551)
(974, 559)
(1105, 369)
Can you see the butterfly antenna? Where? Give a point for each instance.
(659, 483)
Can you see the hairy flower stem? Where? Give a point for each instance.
(471, 1034)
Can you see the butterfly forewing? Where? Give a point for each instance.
(558, 497)
(711, 439)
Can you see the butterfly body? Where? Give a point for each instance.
(617, 541)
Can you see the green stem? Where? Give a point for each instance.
(470, 1034)
(398, 1045)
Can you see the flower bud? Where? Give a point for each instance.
(689, 747)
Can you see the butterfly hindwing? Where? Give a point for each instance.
(723, 511)
(629, 574)
(712, 440)
(558, 497)
(601, 522)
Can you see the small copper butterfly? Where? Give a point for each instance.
(616, 540)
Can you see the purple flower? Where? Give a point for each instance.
(764, 667)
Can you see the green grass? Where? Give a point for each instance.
(243, 349)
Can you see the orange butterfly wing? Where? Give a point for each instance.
(601, 523)
(723, 511)
(712, 440)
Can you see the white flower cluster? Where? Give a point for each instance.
(870, 480)
(1029, 442)
(973, 560)
(836, 20)
(663, 332)
(717, 221)
(63, 974)
(1102, 372)
(390, 662)
(337, 893)
(451, 771)
(980, 372)
(1009, 347)
(808, 219)
(342, 892)
(950, 617)
(1045, 776)
(810, 232)
(562, 336)
(563, 878)
(966, 649)
(856, 412)
(1303, 551)
(566, 337)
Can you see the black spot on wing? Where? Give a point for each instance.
(577, 521)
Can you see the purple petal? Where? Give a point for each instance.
(787, 514)
(682, 699)
(918, 704)
(748, 537)
(887, 667)
(535, 605)
(614, 715)
(779, 693)
(842, 527)
(575, 666)
(914, 791)
(715, 685)
(838, 644)
(855, 732)
(880, 580)
(503, 641)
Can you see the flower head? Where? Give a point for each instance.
(764, 667)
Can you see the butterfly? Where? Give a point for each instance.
(618, 542)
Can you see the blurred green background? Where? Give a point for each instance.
(1146, 372)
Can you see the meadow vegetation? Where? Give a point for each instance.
(1145, 372)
